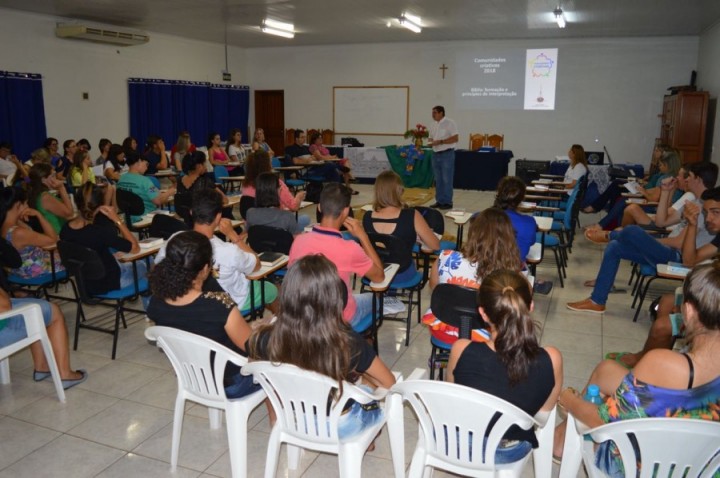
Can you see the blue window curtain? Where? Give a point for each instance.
(167, 107)
(22, 112)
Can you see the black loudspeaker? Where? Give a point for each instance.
(529, 170)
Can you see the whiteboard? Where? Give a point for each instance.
(371, 110)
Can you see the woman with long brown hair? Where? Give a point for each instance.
(578, 166)
(310, 333)
(511, 365)
(491, 245)
(56, 208)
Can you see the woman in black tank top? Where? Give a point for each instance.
(511, 365)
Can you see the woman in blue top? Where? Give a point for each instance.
(664, 383)
(510, 193)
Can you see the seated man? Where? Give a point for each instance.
(232, 260)
(13, 329)
(693, 179)
(698, 241)
(136, 182)
(299, 155)
(155, 154)
(348, 256)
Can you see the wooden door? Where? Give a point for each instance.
(270, 116)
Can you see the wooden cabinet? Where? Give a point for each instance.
(684, 123)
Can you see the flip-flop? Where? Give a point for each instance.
(71, 383)
(557, 459)
(589, 283)
(617, 356)
(40, 376)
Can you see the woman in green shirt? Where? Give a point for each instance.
(55, 206)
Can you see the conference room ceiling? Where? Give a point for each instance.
(329, 22)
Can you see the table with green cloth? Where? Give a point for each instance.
(413, 165)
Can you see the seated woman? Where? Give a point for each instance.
(51, 146)
(511, 365)
(63, 163)
(13, 329)
(669, 167)
(615, 188)
(390, 216)
(14, 214)
(490, 246)
(96, 227)
(664, 383)
(234, 148)
(115, 165)
(130, 145)
(178, 301)
(510, 193)
(104, 147)
(312, 299)
(267, 210)
(196, 179)
(38, 156)
(260, 144)
(578, 166)
(182, 148)
(218, 156)
(81, 173)
(56, 207)
(258, 163)
(321, 153)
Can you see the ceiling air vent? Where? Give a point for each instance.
(101, 35)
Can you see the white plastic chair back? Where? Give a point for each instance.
(200, 374)
(307, 415)
(35, 326)
(668, 447)
(456, 430)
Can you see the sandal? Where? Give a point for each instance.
(617, 356)
(71, 383)
(598, 237)
(589, 283)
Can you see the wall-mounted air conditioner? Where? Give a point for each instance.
(101, 35)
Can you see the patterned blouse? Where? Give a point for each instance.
(35, 260)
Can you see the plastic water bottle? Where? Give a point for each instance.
(592, 395)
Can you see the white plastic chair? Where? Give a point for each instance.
(35, 326)
(200, 379)
(453, 420)
(670, 445)
(308, 418)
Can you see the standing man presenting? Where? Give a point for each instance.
(444, 136)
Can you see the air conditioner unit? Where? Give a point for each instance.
(101, 35)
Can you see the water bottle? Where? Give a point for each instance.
(592, 395)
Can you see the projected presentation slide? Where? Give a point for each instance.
(510, 79)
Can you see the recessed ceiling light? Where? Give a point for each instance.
(411, 22)
(281, 29)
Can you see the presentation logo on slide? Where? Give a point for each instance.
(540, 75)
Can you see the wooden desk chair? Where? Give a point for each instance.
(311, 132)
(477, 141)
(289, 136)
(496, 141)
(328, 136)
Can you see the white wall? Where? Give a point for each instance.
(611, 89)
(709, 77)
(70, 67)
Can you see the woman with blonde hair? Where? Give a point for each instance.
(511, 365)
(81, 173)
(490, 246)
(390, 216)
(182, 147)
(260, 144)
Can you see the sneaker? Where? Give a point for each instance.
(445, 206)
(586, 305)
(436, 205)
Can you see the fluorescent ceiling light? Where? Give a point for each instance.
(411, 22)
(288, 27)
(281, 29)
(559, 17)
(280, 33)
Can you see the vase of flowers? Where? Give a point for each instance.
(418, 134)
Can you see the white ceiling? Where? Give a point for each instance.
(327, 22)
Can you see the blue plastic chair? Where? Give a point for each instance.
(294, 184)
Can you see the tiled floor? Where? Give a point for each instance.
(119, 422)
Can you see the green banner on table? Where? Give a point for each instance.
(413, 166)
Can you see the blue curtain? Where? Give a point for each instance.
(167, 107)
(229, 108)
(22, 112)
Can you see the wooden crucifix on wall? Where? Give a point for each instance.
(443, 68)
